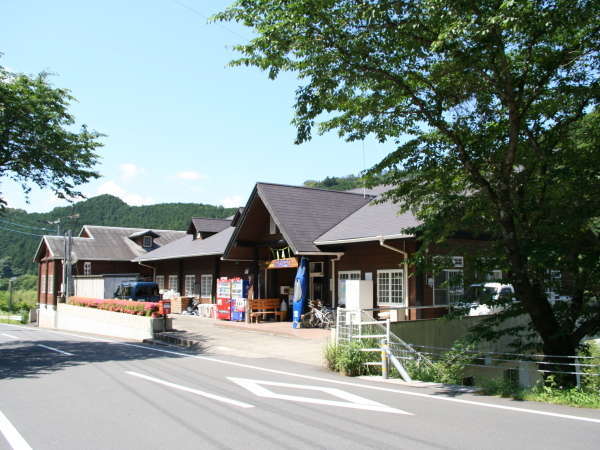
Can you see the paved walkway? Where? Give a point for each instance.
(263, 340)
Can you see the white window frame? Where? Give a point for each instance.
(206, 283)
(494, 275)
(342, 276)
(451, 291)
(160, 280)
(390, 286)
(147, 241)
(553, 277)
(174, 283)
(189, 283)
(87, 268)
(42, 284)
(50, 289)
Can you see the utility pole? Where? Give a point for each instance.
(10, 292)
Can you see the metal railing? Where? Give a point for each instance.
(352, 325)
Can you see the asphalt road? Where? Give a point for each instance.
(68, 391)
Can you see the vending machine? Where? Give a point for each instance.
(239, 295)
(223, 299)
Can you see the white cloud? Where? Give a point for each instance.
(129, 171)
(189, 175)
(232, 201)
(112, 188)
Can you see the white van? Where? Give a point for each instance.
(483, 292)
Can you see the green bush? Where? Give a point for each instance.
(448, 369)
(349, 359)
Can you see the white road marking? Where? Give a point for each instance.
(10, 336)
(191, 390)
(55, 350)
(14, 438)
(327, 380)
(352, 401)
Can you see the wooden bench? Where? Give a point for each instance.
(261, 307)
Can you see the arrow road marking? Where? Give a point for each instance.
(55, 350)
(258, 388)
(191, 390)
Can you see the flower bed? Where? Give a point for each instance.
(148, 309)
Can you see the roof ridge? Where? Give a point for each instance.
(132, 228)
(315, 189)
(211, 218)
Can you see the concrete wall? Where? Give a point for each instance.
(95, 321)
(443, 332)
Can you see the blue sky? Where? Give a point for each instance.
(180, 125)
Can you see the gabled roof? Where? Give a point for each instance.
(302, 214)
(207, 225)
(371, 222)
(188, 247)
(105, 243)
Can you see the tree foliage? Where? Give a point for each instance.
(37, 143)
(491, 105)
(343, 183)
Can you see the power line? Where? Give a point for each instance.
(199, 13)
(23, 225)
(22, 232)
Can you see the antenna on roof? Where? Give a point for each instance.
(364, 169)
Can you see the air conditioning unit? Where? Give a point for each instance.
(317, 269)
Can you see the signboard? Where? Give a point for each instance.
(287, 263)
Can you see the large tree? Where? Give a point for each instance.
(490, 104)
(38, 143)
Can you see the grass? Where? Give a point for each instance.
(579, 397)
(348, 359)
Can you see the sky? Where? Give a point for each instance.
(181, 125)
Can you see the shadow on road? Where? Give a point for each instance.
(27, 359)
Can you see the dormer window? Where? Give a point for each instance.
(147, 242)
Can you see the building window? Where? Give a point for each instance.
(160, 280)
(494, 275)
(344, 275)
(147, 242)
(390, 286)
(50, 284)
(206, 282)
(43, 284)
(173, 283)
(447, 286)
(553, 284)
(190, 280)
(87, 268)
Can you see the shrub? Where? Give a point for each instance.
(122, 306)
(348, 358)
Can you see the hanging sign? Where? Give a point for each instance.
(286, 263)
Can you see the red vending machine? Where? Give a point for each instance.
(223, 299)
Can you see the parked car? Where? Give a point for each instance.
(490, 292)
(141, 291)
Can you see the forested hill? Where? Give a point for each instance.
(19, 230)
(343, 183)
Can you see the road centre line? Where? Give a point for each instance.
(14, 438)
(345, 383)
(191, 390)
(9, 336)
(55, 350)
